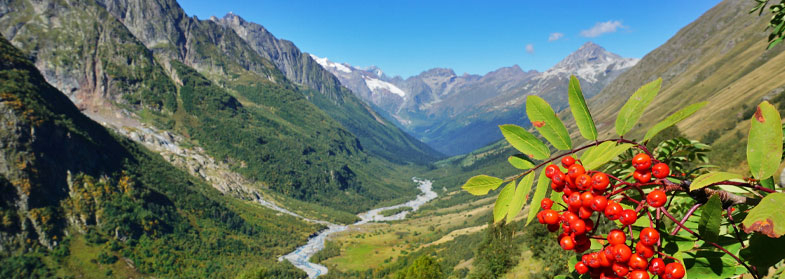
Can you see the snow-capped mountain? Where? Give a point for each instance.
(459, 113)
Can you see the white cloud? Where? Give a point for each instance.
(555, 36)
(530, 48)
(602, 27)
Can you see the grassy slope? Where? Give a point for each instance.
(719, 58)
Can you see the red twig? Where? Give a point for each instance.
(686, 216)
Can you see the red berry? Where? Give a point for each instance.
(637, 262)
(642, 176)
(616, 236)
(660, 170)
(568, 217)
(575, 170)
(550, 216)
(599, 203)
(575, 200)
(649, 236)
(600, 181)
(613, 210)
(557, 188)
(583, 182)
(587, 198)
(580, 239)
(594, 260)
(584, 212)
(567, 161)
(674, 271)
(657, 266)
(559, 178)
(641, 161)
(638, 274)
(628, 217)
(546, 203)
(589, 225)
(582, 247)
(644, 250)
(578, 226)
(604, 261)
(620, 269)
(581, 268)
(550, 170)
(567, 243)
(621, 253)
(656, 198)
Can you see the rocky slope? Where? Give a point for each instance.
(142, 60)
(453, 113)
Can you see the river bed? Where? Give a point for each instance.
(302, 255)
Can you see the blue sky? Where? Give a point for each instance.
(407, 37)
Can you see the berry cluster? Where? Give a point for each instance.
(586, 192)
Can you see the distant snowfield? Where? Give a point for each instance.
(329, 64)
(377, 84)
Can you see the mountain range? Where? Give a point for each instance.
(457, 114)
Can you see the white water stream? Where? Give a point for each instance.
(300, 257)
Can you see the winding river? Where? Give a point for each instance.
(301, 256)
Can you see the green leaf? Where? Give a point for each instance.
(547, 123)
(711, 216)
(760, 253)
(525, 142)
(712, 177)
(764, 144)
(543, 185)
(596, 156)
(709, 264)
(631, 112)
(481, 184)
(767, 217)
(673, 119)
(580, 111)
(520, 162)
(503, 202)
(520, 197)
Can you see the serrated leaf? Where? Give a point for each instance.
(580, 111)
(761, 253)
(502, 204)
(631, 112)
(550, 126)
(542, 187)
(520, 197)
(767, 217)
(711, 216)
(520, 162)
(673, 119)
(525, 142)
(596, 156)
(481, 184)
(712, 177)
(764, 144)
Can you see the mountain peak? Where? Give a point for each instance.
(443, 72)
(589, 61)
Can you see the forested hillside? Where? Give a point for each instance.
(80, 201)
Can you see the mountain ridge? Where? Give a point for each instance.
(447, 111)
